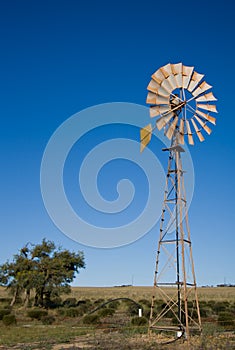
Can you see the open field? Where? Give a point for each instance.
(136, 293)
(111, 329)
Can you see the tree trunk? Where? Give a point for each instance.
(15, 295)
(27, 297)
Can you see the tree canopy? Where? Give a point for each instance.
(42, 270)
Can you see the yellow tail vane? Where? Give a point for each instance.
(145, 136)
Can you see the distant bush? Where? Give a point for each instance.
(82, 309)
(9, 320)
(226, 319)
(70, 302)
(220, 306)
(4, 312)
(145, 302)
(133, 309)
(114, 304)
(99, 301)
(47, 320)
(139, 321)
(106, 312)
(72, 312)
(91, 319)
(37, 313)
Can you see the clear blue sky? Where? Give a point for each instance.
(59, 57)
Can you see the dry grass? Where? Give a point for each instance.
(137, 293)
(115, 333)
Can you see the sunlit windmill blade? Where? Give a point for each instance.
(160, 100)
(201, 88)
(153, 86)
(171, 128)
(177, 71)
(194, 81)
(189, 132)
(166, 70)
(158, 76)
(145, 136)
(206, 116)
(156, 110)
(151, 98)
(203, 124)
(211, 108)
(161, 122)
(167, 86)
(198, 132)
(163, 92)
(187, 72)
(181, 132)
(206, 98)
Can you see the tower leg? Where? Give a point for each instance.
(174, 306)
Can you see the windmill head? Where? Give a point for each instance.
(180, 99)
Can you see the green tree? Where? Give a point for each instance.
(43, 268)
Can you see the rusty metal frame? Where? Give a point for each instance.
(175, 294)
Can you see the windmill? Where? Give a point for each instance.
(181, 100)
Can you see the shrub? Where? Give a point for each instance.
(145, 302)
(82, 309)
(139, 321)
(70, 302)
(99, 301)
(220, 306)
(47, 320)
(4, 312)
(72, 312)
(37, 313)
(9, 320)
(114, 304)
(133, 309)
(91, 319)
(226, 319)
(106, 312)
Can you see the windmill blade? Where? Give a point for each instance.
(166, 70)
(187, 72)
(172, 82)
(201, 88)
(203, 124)
(151, 98)
(207, 107)
(179, 80)
(158, 76)
(181, 133)
(177, 71)
(153, 86)
(190, 136)
(156, 110)
(206, 98)
(195, 80)
(161, 122)
(166, 85)
(176, 68)
(199, 134)
(171, 128)
(145, 136)
(206, 116)
(163, 92)
(160, 100)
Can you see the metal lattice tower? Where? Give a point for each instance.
(176, 95)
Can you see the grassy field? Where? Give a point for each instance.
(137, 293)
(111, 331)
